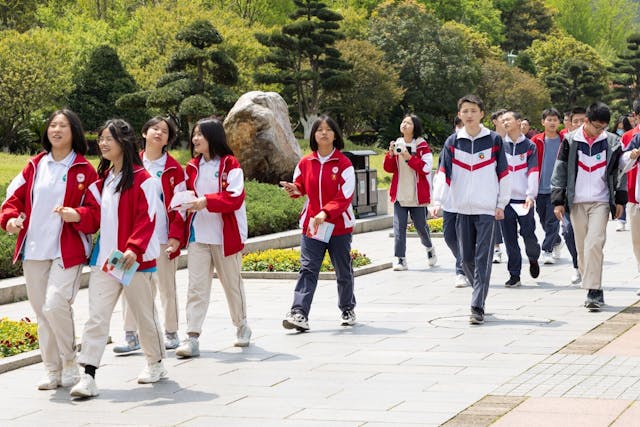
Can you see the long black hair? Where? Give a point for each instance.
(173, 132)
(78, 141)
(124, 134)
(418, 130)
(213, 131)
(338, 142)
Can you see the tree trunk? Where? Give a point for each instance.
(307, 122)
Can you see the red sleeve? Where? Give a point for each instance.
(390, 164)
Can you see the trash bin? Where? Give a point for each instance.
(365, 195)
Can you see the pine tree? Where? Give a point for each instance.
(99, 85)
(304, 61)
(625, 74)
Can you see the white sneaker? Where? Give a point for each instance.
(401, 265)
(50, 381)
(547, 258)
(171, 340)
(432, 259)
(576, 278)
(190, 347)
(70, 373)
(557, 250)
(243, 336)
(152, 373)
(86, 387)
(621, 226)
(497, 256)
(461, 281)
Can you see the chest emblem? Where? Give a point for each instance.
(159, 174)
(334, 169)
(80, 186)
(64, 178)
(334, 177)
(521, 156)
(80, 177)
(481, 156)
(598, 156)
(171, 180)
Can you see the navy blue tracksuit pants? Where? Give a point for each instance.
(510, 234)
(311, 255)
(476, 237)
(451, 237)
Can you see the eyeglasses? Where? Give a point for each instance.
(598, 128)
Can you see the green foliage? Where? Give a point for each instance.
(288, 260)
(18, 15)
(17, 337)
(524, 21)
(481, 15)
(269, 209)
(626, 75)
(503, 86)
(302, 58)
(99, 85)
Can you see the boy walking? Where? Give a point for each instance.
(523, 169)
(586, 181)
(473, 181)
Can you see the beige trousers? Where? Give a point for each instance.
(51, 290)
(104, 291)
(203, 259)
(165, 283)
(589, 222)
(634, 220)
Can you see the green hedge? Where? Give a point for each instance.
(269, 210)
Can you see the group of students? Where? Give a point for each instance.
(488, 183)
(59, 201)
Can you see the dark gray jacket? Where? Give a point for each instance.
(565, 171)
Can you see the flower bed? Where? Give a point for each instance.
(17, 336)
(435, 225)
(288, 260)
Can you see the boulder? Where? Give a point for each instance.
(259, 133)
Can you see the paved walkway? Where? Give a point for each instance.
(412, 359)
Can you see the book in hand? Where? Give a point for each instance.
(320, 231)
(113, 267)
(181, 200)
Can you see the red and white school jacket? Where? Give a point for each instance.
(136, 218)
(632, 175)
(75, 245)
(329, 187)
(228, 201)
(173, 180)
(421, 163)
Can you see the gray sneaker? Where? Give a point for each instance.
(171, 340)
(296, 320)
(432, 259)
(348, 318)
(133, 344)
(190, 347)
(243, 336)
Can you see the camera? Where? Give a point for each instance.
(399, 147)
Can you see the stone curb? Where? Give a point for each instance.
(14, 289)
(326, 275)
(20, 360)
(414, 234)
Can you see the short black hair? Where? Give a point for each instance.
(516, 115)
(472, 99)
(213, 131)
(338, 142)
(418, 130)
(578, 110)
(78, 141)
(551, 112)
(496, 114)
(599, 112)
(173, 130)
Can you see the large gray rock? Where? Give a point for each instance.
(259, 133)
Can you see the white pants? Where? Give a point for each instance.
(104, 291)
(589, 222)
(51, 289)
(203, 259)
(165, 282)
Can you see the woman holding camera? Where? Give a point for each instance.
(409, 159)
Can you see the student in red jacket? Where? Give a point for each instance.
(410, 161)
(217, 230)
(159, 133)
(127, 197)
(39, 208)
(327, 178)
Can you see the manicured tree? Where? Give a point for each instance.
(626, 75)
(197, 78)
(574, 84)
(99, 85)
(304, 61)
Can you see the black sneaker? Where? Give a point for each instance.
(477, 316)
(512, 282)
(534, 268)
(348, 318)
(595, 299)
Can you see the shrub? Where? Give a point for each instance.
(435, 225)
(288, 260)
(17, 337)
(270, 209)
